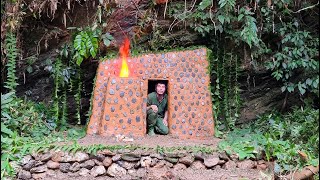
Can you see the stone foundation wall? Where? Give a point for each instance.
(126, 164)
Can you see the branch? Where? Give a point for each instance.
(309, 7)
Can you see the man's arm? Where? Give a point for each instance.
(165, 119)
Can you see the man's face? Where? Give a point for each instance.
(160, 88)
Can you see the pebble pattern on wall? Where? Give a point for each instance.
(119, 104)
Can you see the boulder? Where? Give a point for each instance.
(39, 175)
(107, 161)
(75, 167)
(145, 161)
(88, 164)
(29, 165)
(246, 164)
(197, 165)
(64, 167)
(81, 156)
(39, 169)
(97, 171)
(116, 171)
(230, 165)
(23, 174)
(131, 157)
(53, 165)
(179, 166)
(116, 157)
(84, 172)
(211, 161)
(187, 160)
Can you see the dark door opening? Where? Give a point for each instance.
(152, 88)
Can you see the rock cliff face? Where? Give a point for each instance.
(42, 37)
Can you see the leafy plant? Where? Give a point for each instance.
(12, 54)
(86, 43)
(296, 55)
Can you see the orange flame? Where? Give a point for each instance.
(124, 52)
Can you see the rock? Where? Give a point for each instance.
(71, 174)
(98, 170)
(141, 172)
(46, 157)
(39, 169)
(158, 156)
(172, 154)
(169, 164)
(137, 165)
(211, 161)
(39, 175)
(53, 165)
(51, 173)
(99, 157)
(224, 156)
(246, 164)
(221, 162)
(106, 152)
(132, 172)
(199, 156)
(262, 167)
(130, 157)
(75, 167)
(81, 156)
(57, 156)
(145, 161)
(88, 164)
(23, 174)
(25, 160)
(125, 164)
(234, 157)
(171, 160)
(97, 162)
(230, 165)
(29, 165)
(15, 165)
(153, 162)
(64, 167)
(187, 160)
(107, 161)
(116, 157)
(179, 166)
(116, 171)
(84, 172)
(157, 173)
(67, 158)
(197, 165)
(39, 163)
(35, 156)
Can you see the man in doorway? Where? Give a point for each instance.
(157, 110)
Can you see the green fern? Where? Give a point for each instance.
(12, 54)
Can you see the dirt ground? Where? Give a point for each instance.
(148, 141)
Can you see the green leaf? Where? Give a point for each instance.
(5, 130)
(240, 16)
(204, 4)
(221, 19)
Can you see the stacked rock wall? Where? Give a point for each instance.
(126, 164)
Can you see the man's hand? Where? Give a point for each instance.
(154, 108)
(165, 122)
